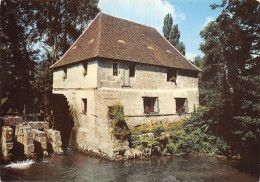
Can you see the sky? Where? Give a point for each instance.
(190, 15)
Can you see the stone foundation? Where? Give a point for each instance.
(27, 133)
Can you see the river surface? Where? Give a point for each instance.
(76, 166)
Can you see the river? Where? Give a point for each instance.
(77, 166)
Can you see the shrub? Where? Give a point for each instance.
(192, 136)
(116, 114)
(197, 136)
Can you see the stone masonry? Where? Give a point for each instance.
(101, 89)
(27, 133)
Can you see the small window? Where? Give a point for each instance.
(181, 105)
(85, 106)
(64, 73)
(115, 69)
(132, 70)
(171, 75)
(151, 105)
(85, 70)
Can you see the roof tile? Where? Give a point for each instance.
(116, 38)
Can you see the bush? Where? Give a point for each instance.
(116, 114)
(192, 136)
(197, 136)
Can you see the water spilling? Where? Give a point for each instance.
(20, 165)
(81, 167)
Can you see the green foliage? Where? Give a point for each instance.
(193, 136)
(116, 114)
(172, 34)
(175, 36)
(50, 25)
(16, 57)
(198, 136)
(167, 26)
(229, 83)
(181, 48)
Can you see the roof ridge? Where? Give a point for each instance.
(128, 20)
(76, 40)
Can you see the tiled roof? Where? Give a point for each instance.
(116, 38)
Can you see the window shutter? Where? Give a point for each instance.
(123, 77)
(157, 104)
(186, 106)
(127, 76)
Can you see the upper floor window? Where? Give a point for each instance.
(151, 105)
(171, 75)
(64, 73)
(115, 69)
(132, 70)
(85, 68)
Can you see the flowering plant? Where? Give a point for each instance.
(116, 72)
(172, 79)
(146, 110)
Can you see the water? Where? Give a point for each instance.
(82, 167)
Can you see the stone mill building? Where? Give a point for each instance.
(116, 60)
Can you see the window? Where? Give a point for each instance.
(181, 105)
(151, 104)
(132, 70)
(171, 75)
(64, 73)
(115, 69)
(85, 66)
(85, 106)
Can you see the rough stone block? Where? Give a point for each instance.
(57, 150)
(7, 133)
(28, 149)
(38, 133)
(44, 145)
(11, 121)
(45, 153)
(41, 139)
(110, 78)
(9, 145)
(56, 136)
(27, 133)
(27, 141)
(57, 144)
(104, 83)
(46, 125)
(40, 125)
(18, 130)
(20, 139)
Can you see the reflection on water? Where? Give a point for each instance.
(81, 167)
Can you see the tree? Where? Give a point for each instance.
(16, 58)
(172, 34)
(167, 26)
(57, 25)
(34, 32)
(230, 77)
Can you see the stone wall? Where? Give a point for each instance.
(92, 131)
(147, 77)
(75, 77)
(132, 100)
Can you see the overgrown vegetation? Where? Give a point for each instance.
(116, 114)
(192, 136)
